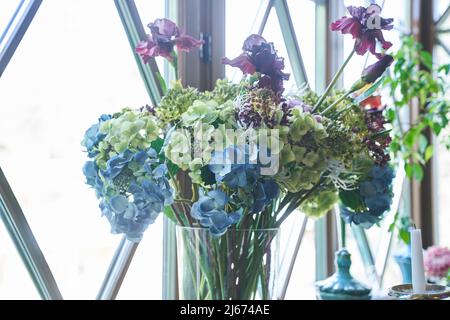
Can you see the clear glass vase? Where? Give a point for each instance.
(240, 265)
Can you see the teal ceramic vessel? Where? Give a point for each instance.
(403, 259)
(341, 285)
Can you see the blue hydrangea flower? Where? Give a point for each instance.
(133, 190)
(92, 137)
(90, 171)
(376, 194)
(209, 210)
(244, 179)
(116, 164)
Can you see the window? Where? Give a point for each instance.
(73, 64)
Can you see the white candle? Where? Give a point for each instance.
(418, 271)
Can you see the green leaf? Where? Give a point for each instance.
(404, 236)
(162, 83)
(409, 170)
(417, 171)
(427, 59)
(157, 144)
(445, 68)
(437, 128)
(392, 225)
(168, 211)
(423, 143)
(429, 153)
(410, 138)
(351, 199)
(369, 91)
(172, 168)
(390, 114)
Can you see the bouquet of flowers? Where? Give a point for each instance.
(229, 166)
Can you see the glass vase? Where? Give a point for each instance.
(239, 265)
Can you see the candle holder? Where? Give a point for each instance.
(433, 292)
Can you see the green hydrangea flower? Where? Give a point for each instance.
(175, 103)
(320, 203)
(296, 178)
(129, 129)
(227, 114)
(178, 148)
(226, 90)
(203, 111)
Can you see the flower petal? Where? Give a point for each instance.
(187, 43)
(242, 62)
(252, 41)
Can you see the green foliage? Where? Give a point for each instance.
(352, 199)
(415, 80)
(403, 225)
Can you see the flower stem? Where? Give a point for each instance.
(334, 81)
(174, 64)
(343, 235)
(334, 104)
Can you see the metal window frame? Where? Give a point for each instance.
(329, 56)
(25, 243)
(19, 31)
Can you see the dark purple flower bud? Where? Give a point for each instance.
(365, 25)
(373, 72)
(254, 40)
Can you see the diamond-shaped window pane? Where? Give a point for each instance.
(73, 65)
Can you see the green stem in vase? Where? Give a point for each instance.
(343, 234)
(334, 81)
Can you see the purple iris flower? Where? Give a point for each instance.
(365, 25)
(260, 56)
(165, 35)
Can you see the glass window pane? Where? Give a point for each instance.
(74, 64)
(303, 14)
(301, 285)
(272, 33)
(440, 7)
(242, 19)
